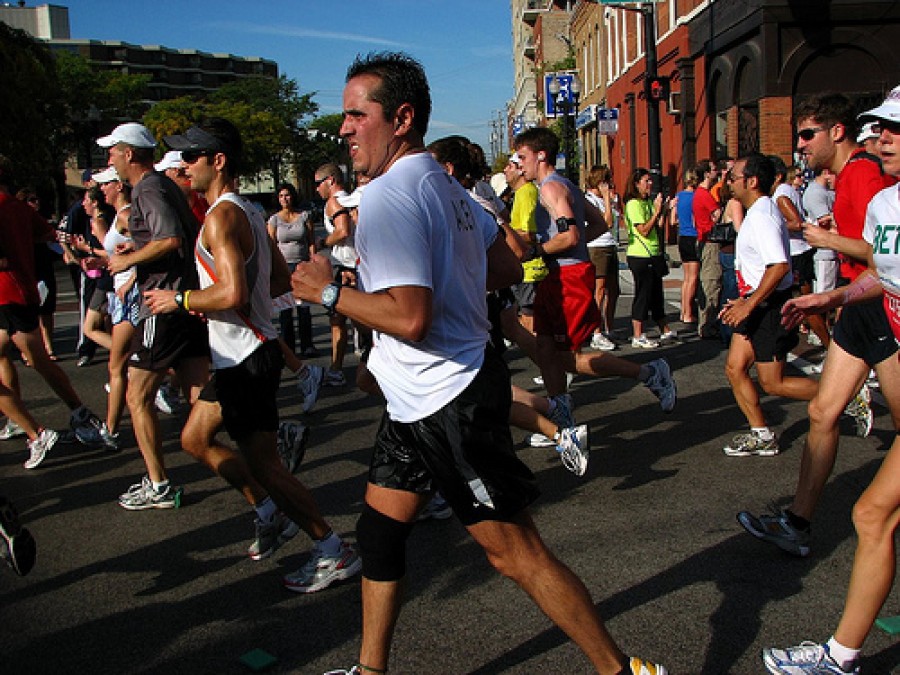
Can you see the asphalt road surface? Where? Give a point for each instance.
(650, 528)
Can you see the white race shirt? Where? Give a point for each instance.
(798, 243)
(882, 230)
(419, 227)
(761, 241)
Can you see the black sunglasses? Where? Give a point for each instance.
(321, 180)
(191, 156)
(881, 125)
(809, 133)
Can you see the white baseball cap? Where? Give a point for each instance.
(130, 133)
(866, 132)
(108, 175)
(498, 182)
(171, 160)
(888, 110)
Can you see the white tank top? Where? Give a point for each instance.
(343, 254)
(112, 239)
(234, 334)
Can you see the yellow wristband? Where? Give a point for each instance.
(186, 301)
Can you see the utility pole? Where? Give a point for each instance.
(654, 143)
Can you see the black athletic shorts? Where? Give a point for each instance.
(863, 331)
(687, 249)
(161, 341)
(524, 293)
(248, 392)
(18, 318)
(771, 341)
(465, 450)
(99, 301)
(803, 265)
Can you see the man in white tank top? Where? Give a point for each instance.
(234, 259)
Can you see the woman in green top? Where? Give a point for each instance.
(644, 219)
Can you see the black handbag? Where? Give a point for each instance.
(658, 262)
(722, 233)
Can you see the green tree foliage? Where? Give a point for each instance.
(269, 113)
(30, 105)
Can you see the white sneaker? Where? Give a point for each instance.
(573, 448)
(539, 441)
(39, 447)
(167, 400)
(11, 430)
(569, 377)
(602, 343)
(320, 571)
(668, 336)
(643, 342)
(309, 381)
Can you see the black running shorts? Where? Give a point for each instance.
(863, 331)
(465, 450)
(162, 341)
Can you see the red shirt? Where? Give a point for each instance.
(856, 184)
(21, 227)
(704, 206)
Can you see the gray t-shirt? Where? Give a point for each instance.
(159, 210)
(818, 201)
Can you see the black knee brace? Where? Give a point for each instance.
(382, 545)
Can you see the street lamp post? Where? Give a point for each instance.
(566, 103)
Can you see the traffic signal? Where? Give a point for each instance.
(658, 88)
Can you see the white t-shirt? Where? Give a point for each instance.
(605, 239)
(798, 243)
(419, 227)
(761, 241)
(818, 201)
(882, 231)
(343, 253)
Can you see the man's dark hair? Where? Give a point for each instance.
(704, 166)
(334, 171)
(402, 81)
(760, 167)
(230, 138)
(828, 109)
(539, 139)
(780, 168)
(454, 150)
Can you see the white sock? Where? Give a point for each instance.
(160, 487)
(843, 656)
(764, 433)
(330, 545)
(266, 510)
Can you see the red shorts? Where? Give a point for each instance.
(564, 306)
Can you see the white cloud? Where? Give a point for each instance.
(291, 31)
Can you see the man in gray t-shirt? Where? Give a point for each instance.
(818, 202)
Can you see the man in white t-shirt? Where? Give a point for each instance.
(427, 256)
(763, 268)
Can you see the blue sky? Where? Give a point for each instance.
(465, 45)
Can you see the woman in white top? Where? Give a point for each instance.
(292, 230)
(605, 255)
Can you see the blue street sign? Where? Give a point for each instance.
(607, 120)
(518, 125)
(565, 89)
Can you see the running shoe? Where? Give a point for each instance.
(167, 400)
(561, 413)
(746, 445)
(320, 571)
(643, 667)
(806, 658)
(84, 361)
(340, 671)
(668, 336)
(291, 443)
(643, 342)
(39, 447)
(11, 430)
(602, 343)
(539, 380)
(269, 536)
(860, 409)
(110, 440)
(142, 496)
(776, 529)
(86, 426)
(537, 440)
(813, 339)
(308, 382)
(437, 508)
(572, 446)
(17, 546)
(662, 384)
(334, 378)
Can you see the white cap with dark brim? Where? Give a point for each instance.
(888, 110)
(130, 133)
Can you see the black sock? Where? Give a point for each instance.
(797, 521)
